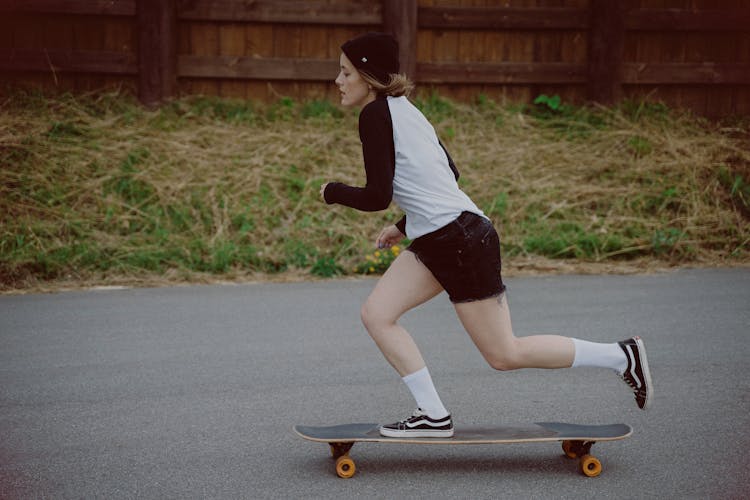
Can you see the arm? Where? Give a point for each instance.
(389, 236)
(376, 134)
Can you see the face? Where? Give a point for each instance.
(354, 90)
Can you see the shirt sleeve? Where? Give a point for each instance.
(376, 134)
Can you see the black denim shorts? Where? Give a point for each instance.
(464, 256)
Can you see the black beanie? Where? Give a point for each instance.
(374, 53)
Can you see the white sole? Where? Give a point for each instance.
(646, 372)
(415, 434)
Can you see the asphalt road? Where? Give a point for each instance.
(192, 392)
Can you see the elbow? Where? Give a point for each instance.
(378, 201)
(381, 205)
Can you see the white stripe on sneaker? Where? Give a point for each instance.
(633, 365)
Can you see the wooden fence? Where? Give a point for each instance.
(687, 53)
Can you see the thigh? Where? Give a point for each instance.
(488, 324)
(406, 284)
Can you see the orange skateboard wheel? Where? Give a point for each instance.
(345, 467)
(590, 466)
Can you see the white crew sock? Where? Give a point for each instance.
(424, 392)
(599, 355)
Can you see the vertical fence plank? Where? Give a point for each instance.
(232, 43)
(259, 45)
(606, 47)
(315, 46)
(157, 50)
(400, 20)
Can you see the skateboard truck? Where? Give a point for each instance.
(590, 465)
(340, 449)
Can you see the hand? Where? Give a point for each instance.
(389, 236)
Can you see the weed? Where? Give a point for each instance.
(568, 240)
(484, 103)
(378, 261)
(640, 146)
(243, 223)
(295, 184)
(548, 104)
(645, 111)
(283, 110)
(570, 122)
(127, 185)
(435, 108)
(326, 267)
(664, 241)
(737, 186)
(320, 109)
(60, 130)
(299, 253)
(225, 110)
(498, 206)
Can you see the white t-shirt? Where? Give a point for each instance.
(404, 162)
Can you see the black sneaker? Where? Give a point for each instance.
(419, 425)
(637, 374)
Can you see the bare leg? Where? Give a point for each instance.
(406, 284)
(488, 324)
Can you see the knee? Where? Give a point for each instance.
(502, 363)
(505, 360)
(366, 315)
(372, 318)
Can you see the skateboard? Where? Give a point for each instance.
(577, 440)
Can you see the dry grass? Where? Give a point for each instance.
(97, 190)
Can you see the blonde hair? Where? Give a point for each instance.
(398, 84)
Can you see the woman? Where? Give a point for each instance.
(454, 248)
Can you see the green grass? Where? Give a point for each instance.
(99, 189)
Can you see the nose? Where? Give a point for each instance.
(338, 81)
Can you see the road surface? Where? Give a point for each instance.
(191, 392)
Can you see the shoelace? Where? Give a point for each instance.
(417, 413)
(639, 392)
(629, 381)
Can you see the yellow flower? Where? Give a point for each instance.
(372, 269)
(377, 254)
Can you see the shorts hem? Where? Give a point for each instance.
(485, 297)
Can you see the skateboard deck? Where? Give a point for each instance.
(577, 440)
